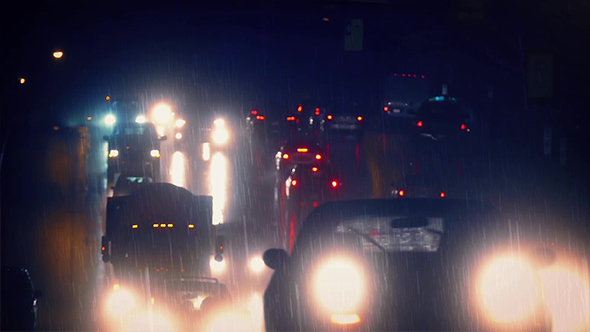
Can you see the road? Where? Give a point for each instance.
(56, 233)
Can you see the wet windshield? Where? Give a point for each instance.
(444, 142)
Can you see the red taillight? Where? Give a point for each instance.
(401, 193)
(316, 204)
(386, 109)
(442, 194)
(334, 184)
(360, 118)
(422, 76)
(254, 112)
(419, 124)
(314, 169)
(463, 126)
(317, 111)
(330, 117)
(403, 75)
(318, 156)
(290, 118)
(293, 183)
(286, 156)
(300, 108)
(260, 117)
(302, 150)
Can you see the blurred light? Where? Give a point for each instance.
(162, 113)
(442, 194)
(120, 302)
(134, 226)
(463, 126)
(316, 204)
(217, 267)
(220, 135)
(285, 156)
(386, 109)
(403, 75)
(58, 54)
(116, 287)
(334, 184)
(414, 75)
(170, 225)
(178, 135)
(56, 128)
(325, 19)
(290, 118)
(317, 111)
(401, 193)
(191, 226)
(318, 156)
(314, 169)
(113, 153)
(219, 122)
(206, 152)
(180, 122)
(218, 173)
(330, 117)
(507, 289)
(89, 118)
(110, 120)
(257, 312)
(254, 112)
(160, 130)
(108, 98)
(225, 321)
(150, 322)
(162, 225)
(293, 183)
(257, 264)
(260, 117)
(468, 130)
(155, 225)
(300, 108)
(395, 75)
(153, 300)
(140, 119)
(302, 150)
(339, 285)
(22, 80)
(419, 124)
(360, 118)
(155, 153)
(345, 319)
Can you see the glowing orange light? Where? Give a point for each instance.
(108, 98)
(318, 156)
(386, 109)
(155, 225)
(299, 109)
(286, 156)
(191, 226)
(314, 169)
(293, 183)
(442, 194)
(360, 118)
(419, 124)
(401, 193)
(260, 117)
(330, 117)
(334, 184)
(104, 248)
(254, 112)
(170, 225)
(162, 225)
(302, 150)
(134, 226)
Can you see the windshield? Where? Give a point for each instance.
(395, 127)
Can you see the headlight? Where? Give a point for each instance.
(339, 286)
(180, 122)
(162, 113)
(113, 153)
(219, 123)
(140, 119)
(178, 136)
(220, 135)
(120, 302)
(256, 264)
(155, 153)
(147, 322)
(110, 120)
(507, 289)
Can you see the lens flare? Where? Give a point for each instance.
(339, 286)
(178, 169)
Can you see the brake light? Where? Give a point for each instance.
(360, 118)
(302, 150)
(317, 111)
(401, 193)
(318, 156)
(314, 169)
(260, 117)
(286, 156)
(299, 109)
(293, 183)
(330, 117)
(386, 109)
(442, 194)
(463, 126)
(290, 118)
(419, 124)
(334, 183)
(254, 112)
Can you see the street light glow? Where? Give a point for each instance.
(58, 54)
(22, 80)
(110, 120)
(162, 113)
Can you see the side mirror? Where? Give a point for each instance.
(163, 138)
(105, 137)
(275, 258)
(37, 294)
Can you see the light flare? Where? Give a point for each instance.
(218, 186)
(339, 286)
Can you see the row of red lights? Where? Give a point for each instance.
(410, 75)
(334, 183)
(420, 124)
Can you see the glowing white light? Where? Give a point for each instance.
(217, 267)
(162, 113)
(160, 130)
(178, 169)
(178, 135)
(206, 152)
(339, 286)
(218, 186)
(219, 123)
(120, 302)
(180, 122)
(229, 322)
(150, 322)
(155, 153)
(220, 135)
(257, 264)
(141, 119)
(110, 120)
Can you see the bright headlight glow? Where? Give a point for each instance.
(110, 120)
(217, 267)
(220, 135)
(140, 119)
(160, 130)
(178, 135)
(507, 289)
(219, 123)
(113, 153)
(155, 153)
(256, 264)
(120, 302)
(180, 122)
(162, 113)
(147, 322)
(339, 286)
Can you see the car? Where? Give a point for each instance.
(398, 109)
(424, 265)
(19, 300)
(345, 120)
(299, 152)
(134, 149)
(443, 118)
(426, 185)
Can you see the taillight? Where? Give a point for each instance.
(254, 112)
(419, 124)
(286, 156)
(293, 183)
(442, 194)
(302, 150)
(386, 109)
(360, 118)
(334, 183)
(317, 111)
(318, 156)
(330, 117)
(260, 117)
(314, 169)
(463, 126)
(401, 193)
(290, 118)
(300, 108)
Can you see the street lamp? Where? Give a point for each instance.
(58, 54)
